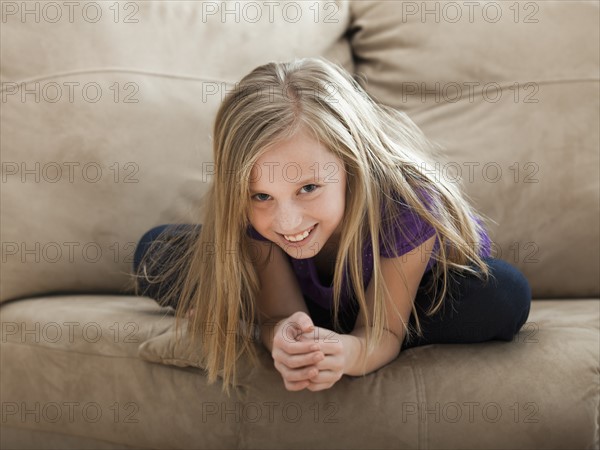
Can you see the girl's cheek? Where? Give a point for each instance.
(261, 218)
(257, 212)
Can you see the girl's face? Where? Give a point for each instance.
(295, 187)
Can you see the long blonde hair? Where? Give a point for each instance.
(385, 155)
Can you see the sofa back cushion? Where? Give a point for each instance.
(511, 90)
(107, 115)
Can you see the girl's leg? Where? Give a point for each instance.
(155, 249)
(479, 311)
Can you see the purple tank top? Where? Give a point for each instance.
(410, 232)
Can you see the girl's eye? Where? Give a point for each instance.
(310, 188)
(261, 197)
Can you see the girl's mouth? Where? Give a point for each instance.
(299, 239)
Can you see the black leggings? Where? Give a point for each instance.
(478, 312)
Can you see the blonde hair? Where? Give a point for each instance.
(384, 153)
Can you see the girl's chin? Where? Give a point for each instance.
(307, 252)
(301, 255)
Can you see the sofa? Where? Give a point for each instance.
(107, 109)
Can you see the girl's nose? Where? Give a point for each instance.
(289, 221)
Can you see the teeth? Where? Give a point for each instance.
(299, 237)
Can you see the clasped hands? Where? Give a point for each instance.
(307, 356)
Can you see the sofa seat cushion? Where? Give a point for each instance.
(487, 395)
(97, 390)
(111, 326)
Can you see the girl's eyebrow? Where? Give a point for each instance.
(308, 179)
(303, 182)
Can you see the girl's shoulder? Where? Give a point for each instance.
(402, 230)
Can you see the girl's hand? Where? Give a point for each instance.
(295, 352)
(331, 367)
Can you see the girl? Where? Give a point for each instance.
(327, 226)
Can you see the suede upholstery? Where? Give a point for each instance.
(106, 132)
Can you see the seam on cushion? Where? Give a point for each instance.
(597, 437)
(168, 362)
(422, 432)
(71, 352)
(174, 361)
(196, 78)
(117, 70)
(555, 81)
(74, 436)
(522, 86)
(478, 92)
(162, 361)
(548, 325)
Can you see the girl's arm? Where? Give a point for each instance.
(280, 295)
(413, 265)
(283, 311)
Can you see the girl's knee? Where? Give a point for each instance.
(144, 244)
(156, 250)
(166, 233)
(512, 295)
(511, 280)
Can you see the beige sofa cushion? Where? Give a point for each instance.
(103, 363)
(511, 89)
(131, 147)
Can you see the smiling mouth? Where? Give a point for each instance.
(299, 237)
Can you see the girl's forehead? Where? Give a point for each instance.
(311, 160)
(300, 156)
(264, 175)
(299, 149)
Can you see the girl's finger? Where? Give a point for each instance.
(301, 321)
(306, 323)
(292, 331)
(330, 369)
(324, 376)
(318, 386)
(303, 373)
(293, 347)
(330, 348)
(296, 385)
(304, 359)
